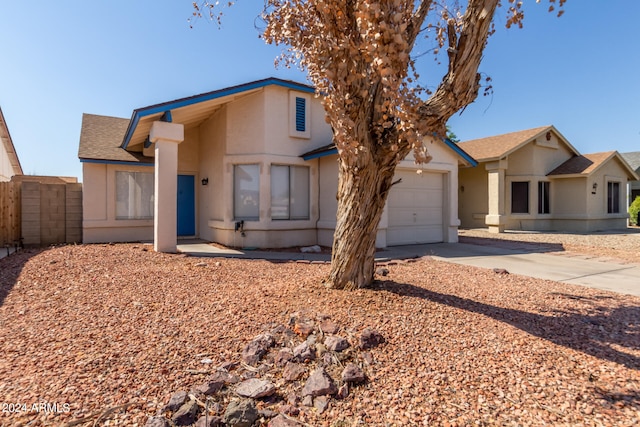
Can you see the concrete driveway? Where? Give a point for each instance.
(607, 275)
(526, 261)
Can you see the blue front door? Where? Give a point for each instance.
(186, 205)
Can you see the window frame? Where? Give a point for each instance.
(544, 197)
(519, 199)
(613, 197)
(306, 204)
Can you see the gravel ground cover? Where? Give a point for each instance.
(86, 329)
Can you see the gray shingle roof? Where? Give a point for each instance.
(633, 159)
(100, 139)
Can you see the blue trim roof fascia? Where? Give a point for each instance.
(183, 102)
(322, 154)
(461, 152)
(116, 162)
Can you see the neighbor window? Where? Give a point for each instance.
(613, 197)
(134, 195)
(246, 192)
(289, 192)
(543, 197)
(520, 197)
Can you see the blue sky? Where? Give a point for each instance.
(580, 72)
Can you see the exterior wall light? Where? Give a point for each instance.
(205, 181)
(595, 187)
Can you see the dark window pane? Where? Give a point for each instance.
(519, 197)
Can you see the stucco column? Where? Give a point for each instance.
(166, 137)
(495, 220)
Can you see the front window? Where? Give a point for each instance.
(246, 192)
(289, 192)
(134, 195)
(613, 197)
(520, 197)
(543, 197)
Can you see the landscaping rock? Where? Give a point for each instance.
(284, 355)
(257, 348)
(176, 401)
(304, 352)
(255, 388)
(370, 338)
(223, 377)
(293, 371)
(157, 421)
(208, 388)
(336, 343)
(304, 327)
(328, 326)
(382, 271)
(343, 391)
(353, 374)
(210, 421)
(186, 415)
(321, 403)
(319, 383)
(282, 421)
(241, 413)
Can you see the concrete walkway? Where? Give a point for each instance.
(606, 275)
(4, 251)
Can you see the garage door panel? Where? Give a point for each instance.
(415, 209)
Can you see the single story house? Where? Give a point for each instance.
(633, 159)
(245, 166)
(536, 180)
(9, 162)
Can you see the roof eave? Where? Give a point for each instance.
(185, 102)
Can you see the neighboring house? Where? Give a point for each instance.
(634, 186)
(536, 180)
(9, 162)
(246, 166)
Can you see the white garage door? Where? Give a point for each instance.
(415, 209)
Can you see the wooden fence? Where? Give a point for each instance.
(10, 213)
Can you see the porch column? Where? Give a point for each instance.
(495, 220)
(166, 137)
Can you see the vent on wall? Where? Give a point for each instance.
(301, 125)
(299, 120)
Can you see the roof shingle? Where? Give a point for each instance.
(100, 139)
(582, 165)
(496, 147)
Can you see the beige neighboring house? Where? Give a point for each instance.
(9, 162)
(246, 166)
(633, 159)
(536, 180)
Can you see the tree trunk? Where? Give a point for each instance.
(362, 194)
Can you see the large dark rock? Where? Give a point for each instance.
(257, 348)
(255, 388)
(241, 413)
(209, 421)
(319, 383)
(186, 415)
(176, 401)
(293, 371)
(282, 421)
(353, 374)
(157, 421)
(304, 352)
(370, 338)
(336, 343)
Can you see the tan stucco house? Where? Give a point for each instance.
(536, 180)
(633, 159)
(9, 162)
(246, 166)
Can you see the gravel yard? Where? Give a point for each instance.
(95, 327)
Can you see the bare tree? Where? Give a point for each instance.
(358, 54)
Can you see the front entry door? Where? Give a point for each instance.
(186, 205)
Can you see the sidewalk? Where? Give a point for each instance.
(606, 275)
(4, 251)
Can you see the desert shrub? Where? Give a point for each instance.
(633, 211)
